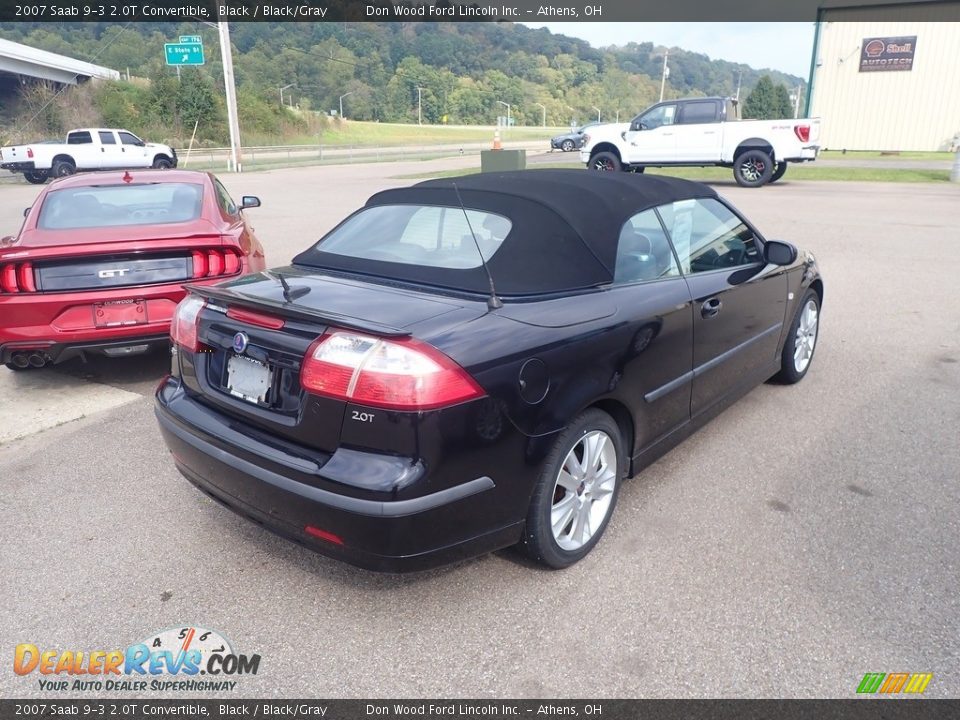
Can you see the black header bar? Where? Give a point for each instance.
(458, 10)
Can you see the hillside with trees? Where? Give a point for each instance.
(454, 73)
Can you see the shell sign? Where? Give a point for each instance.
(890, 53)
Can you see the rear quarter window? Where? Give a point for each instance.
(79, 138)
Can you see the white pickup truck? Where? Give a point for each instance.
(698, 132)
(85, 149)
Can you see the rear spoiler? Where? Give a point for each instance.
(293, 311)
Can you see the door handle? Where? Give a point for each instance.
(711, 308)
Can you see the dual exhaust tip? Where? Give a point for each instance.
(29, 359)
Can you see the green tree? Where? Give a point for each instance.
(784, 106)
(762, 102)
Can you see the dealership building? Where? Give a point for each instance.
(887, 76)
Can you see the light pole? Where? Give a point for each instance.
(284, 88)
(507, 106)
(419, 106)
(544, 109)
(598, 112)
(665, 74)
(341, 101)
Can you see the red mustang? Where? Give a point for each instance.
(100, 261)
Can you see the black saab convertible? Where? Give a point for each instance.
(476, 362)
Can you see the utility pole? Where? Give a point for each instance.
(341, 101)
(226, 54)
(419, 106)
(739, 80)
(544, 109)
(282, 89)
(796, 106)
(598, 112)
(664, 74)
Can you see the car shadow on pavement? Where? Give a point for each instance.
(138, 374)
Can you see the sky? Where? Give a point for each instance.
(778, 46)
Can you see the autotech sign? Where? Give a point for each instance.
(889, 53)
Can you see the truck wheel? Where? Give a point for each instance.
(36, 177)
(63, 168)
(605, 161)
(162, 162)
(779, 171)
(752, 169)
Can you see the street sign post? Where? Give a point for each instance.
(194, 39)
(183, 53)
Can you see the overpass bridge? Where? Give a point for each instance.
(20, 62)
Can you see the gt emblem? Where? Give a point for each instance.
(240, 342)
(119, 272)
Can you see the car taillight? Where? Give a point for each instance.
(17, 278)
(29, 152)
(802, 132)
(214, 263)
(398, 374)
(183, 326)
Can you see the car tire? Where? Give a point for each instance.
(801, 340)
(162, 162)
(778, 171)
(571, 506)
(605, 161)
(63, 168)
(36, 177)
(567, 145)
(752, 169)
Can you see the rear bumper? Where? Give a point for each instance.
(18, 166)
(807, 154)
(63, 325)
(247, 475)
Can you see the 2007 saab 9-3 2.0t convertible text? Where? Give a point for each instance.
(471, 363)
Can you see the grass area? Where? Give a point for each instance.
(372, 134)
(839, 174)
(877, 155)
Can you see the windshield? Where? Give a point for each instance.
(427, 236)
(110, 205)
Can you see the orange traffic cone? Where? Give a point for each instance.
(496, 140)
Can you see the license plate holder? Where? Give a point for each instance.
(120, 313)
(248, 379)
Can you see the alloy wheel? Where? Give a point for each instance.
(806, 337)
(583, 490)
(752, 169)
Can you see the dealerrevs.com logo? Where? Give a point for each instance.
(187, 658)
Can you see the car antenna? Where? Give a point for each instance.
(289, 294)
(493, 302)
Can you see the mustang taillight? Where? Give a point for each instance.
(17, 278)
(183, 326)
(802, 132)
(397, 374)
(215, 263)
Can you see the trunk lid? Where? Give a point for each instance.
(269, 359)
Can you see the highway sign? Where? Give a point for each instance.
(191, 39)
(183, 53)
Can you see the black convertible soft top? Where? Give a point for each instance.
(566, 225)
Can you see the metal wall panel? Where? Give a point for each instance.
(907, 110)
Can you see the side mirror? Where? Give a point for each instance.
(779, 253)
(249, 201)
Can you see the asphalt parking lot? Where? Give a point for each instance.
(805, 537)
